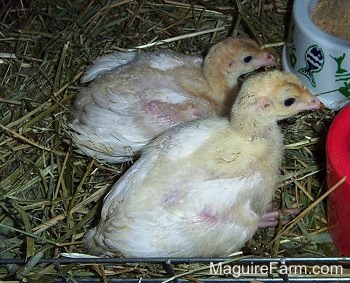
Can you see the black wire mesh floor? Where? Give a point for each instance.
(211, 270)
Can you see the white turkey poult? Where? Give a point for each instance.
(135, 97)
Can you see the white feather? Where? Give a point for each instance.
(165, 62)
(106, 63)
(197, 132)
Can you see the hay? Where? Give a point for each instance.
(49, 194)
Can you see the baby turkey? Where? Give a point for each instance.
(200, 189)
(135, 97)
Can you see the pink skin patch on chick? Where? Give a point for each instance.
(163, 112)
(153, 106)
(173, 113)
(206, 216)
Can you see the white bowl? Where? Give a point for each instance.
(320, 60)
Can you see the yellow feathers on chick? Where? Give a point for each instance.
(200, 189)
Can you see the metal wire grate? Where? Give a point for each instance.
(276, 274)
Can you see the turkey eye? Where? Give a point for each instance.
(289, 101)
(247, 59)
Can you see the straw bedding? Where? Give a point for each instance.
(49, 194)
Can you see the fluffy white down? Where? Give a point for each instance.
(164, 206)
(111, 129)
(106, 63)
(173, 147)
(167, 227)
